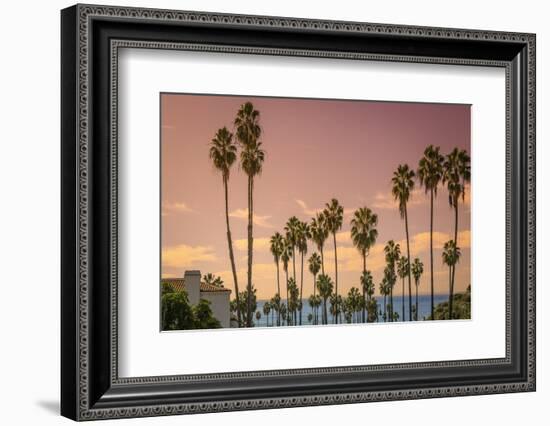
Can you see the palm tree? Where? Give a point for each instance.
(314, 263)
(334, 216)
(213, 280)
(367, 285)
(403, 270)
(363, 235)
(258, 316)
(284, 312)
(354, 298)
(451, 256)
(324, 285)
(293, 302)
(303, 235)
(402, 186)
(276, 247)
(223, 153)
(291, 230)
(248, 133)
(430, 173)
(384, 290)
(393, 252)
(417, 269)
(456, 174)
(319, 234)
(276, 306)
(267, 310)
(286, 254)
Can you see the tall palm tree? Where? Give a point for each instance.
(276, 246)
(319, 234)
(291, 230)
(248, 131)
(417, 269)
(402, 186)
(456, 174)
(303, 235)
(223, 153)
(324, 286)
(403, 270)
(384, 290)
(393, 252)
(363, 235)
(286, 254)
(367, 285)
(334, 216)
(451, 256)
(430, 173)
(314, 263)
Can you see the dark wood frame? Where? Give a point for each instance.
(90, 386)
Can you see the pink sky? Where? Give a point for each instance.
(315, 150)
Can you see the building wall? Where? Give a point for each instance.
(220, 305)
(192, 286)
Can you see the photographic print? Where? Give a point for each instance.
(280, 212)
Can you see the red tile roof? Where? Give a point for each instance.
(178, 284)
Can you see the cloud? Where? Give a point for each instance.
(184, 256)
(261, 221)
(177, 207)
(260, 244)
(306, 209)
(385, 200)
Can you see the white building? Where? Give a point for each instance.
(196, 290)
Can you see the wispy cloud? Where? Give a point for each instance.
(176, 207)
(185, 256)
(261, 221)
(385, 200)
(260, 244)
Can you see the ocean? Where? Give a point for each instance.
(424, 308)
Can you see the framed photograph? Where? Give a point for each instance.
(263, 212)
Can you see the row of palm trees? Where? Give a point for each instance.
(434, 170)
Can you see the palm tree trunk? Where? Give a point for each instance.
(250, 250)
(403, 301)
(325, 313)
(278, 292)
(286, 275)
(416, 309)
(450, 291)
(314, 306)
(322, 259)
(301, 286)
(336, 277)
(454, 266)
(231, 255)
(391, 304)
(385, 310)
(409, 262)
(432, 249)
(364, 270)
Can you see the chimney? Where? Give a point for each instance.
(193, 286)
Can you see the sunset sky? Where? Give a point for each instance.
(315, 150)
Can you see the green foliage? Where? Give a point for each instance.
(461, 307)
(178, 314)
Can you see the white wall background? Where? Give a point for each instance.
(29, 212)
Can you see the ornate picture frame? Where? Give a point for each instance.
(91, 37)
